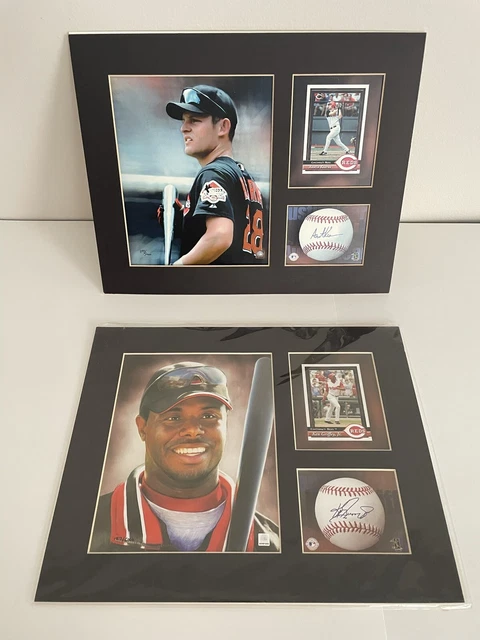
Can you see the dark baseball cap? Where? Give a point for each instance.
(204, 99)
(174, 383)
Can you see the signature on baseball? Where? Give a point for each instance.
(344, 510)
(325, 233)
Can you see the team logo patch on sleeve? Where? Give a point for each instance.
(212, 192)
(186, 208)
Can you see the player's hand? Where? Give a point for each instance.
(178, 209)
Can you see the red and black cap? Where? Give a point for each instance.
(172, 384)
(204, 99)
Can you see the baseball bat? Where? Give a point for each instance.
(169, 197)
(256, 437)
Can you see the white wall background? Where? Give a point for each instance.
(41, 161)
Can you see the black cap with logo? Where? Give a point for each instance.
(174, 383)
(204, 99)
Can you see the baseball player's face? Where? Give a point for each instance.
(184, 445)
(200, 135)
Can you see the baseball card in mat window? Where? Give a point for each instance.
(351, 511)
(337, 403)
(335, 125)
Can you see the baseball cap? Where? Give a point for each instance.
(174, 383)
(204, 99)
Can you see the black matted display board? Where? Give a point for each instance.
(324, 130)
(346, 525)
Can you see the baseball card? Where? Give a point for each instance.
(351, 511)
(333, 113)
(190, 465)
(195, 190)
(335, 123)
(334, 403)
(326, 235)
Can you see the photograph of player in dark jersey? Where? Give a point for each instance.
(195, 165)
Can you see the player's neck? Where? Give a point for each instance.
(161, 483)
(220, 151)
(203, 503)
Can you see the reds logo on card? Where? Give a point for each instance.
(355, 430)
(213, 192)
(347, 163)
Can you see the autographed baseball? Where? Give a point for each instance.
(326, 234)
(350, 514)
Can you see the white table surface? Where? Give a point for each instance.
(51, 302)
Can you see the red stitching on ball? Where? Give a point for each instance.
(332, 246)
(333, 490)
(315, 217)
(351, 527)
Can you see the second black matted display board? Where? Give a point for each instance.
(325, 122)
(186, 420)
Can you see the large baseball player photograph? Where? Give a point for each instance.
(335, 123)
(351, 511)
(194, 156)
(191, 459)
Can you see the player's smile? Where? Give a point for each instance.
(191, 453)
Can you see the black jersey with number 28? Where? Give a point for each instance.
(224, 188)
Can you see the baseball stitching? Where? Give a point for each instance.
(333, 246)
(346, 491)
(351, 527)
(328, 219)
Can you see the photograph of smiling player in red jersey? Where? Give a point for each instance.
(169, 484)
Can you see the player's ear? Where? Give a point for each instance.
(225, 126)
(141, 425)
